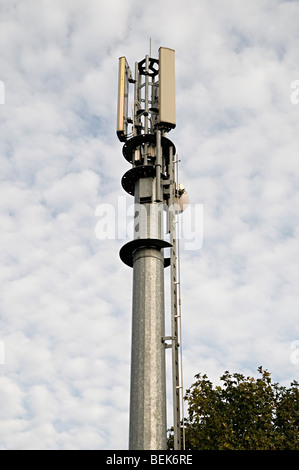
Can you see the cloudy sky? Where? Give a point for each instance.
(65, 305)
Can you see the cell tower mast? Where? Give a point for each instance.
(151, 180)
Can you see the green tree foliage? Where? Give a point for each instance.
(243, 414)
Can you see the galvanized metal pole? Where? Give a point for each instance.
(148, 384)
(148, 375)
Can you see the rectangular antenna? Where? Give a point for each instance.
(122, 104)
(166, 88)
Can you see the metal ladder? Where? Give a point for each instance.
(176, 336)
